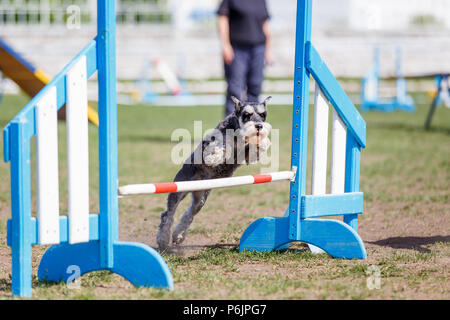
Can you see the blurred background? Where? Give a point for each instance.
(184, 32)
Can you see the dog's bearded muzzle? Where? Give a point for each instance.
(255, 136)
(256, 132)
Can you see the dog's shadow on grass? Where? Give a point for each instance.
(414, 243)
(181, 250)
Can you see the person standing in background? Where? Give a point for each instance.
(246, 46)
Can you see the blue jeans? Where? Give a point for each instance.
(245, 74)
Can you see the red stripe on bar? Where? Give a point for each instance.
(262, 178)
(165, 187)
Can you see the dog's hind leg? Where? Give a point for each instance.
(163, 236)
(198, 201)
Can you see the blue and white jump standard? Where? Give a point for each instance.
(80, 239)
(300, 222)
(370, 89)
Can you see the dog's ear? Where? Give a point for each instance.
(237, 102)
(266, 100)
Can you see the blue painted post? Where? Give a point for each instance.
(376, 57)
(107, 109)
(19, 143)
(352, 169)
(368, 100)
(300, 116)
(376, 61)
(398, 62)
(400, 84)
(435, 102)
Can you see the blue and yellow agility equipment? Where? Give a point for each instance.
(29, 78)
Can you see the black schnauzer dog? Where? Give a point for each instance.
(242, 137)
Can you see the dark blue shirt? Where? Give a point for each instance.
(246, 20)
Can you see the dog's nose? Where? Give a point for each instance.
(258, 126)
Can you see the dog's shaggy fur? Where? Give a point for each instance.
(242, 137)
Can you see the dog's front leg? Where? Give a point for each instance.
(163, 236)
(198, 201)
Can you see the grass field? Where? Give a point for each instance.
(405, 177)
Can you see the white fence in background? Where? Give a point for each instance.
(397, 15)
(57, 12)
(359, 15)
(190, 44)
(43, 12)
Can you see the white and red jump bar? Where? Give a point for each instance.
(188, 186)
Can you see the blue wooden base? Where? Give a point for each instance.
(334, 237)
(136, 262)
(408, 106)
(266, 234)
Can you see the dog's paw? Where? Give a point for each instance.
(257, 150)
(163, 239)
(213, 155)
(178, 238)
(264, 145)
(253, 140)
(262, 141)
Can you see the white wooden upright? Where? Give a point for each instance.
(320, 144)
(320, 149)
(338, 149)
(47, 168)
(78, 152)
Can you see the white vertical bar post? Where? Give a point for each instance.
(320, 149)
(320, 144)
(338, 146)
(47, 168)
(78, 152)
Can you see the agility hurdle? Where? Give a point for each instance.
(300, 223)
(370, 88)
(80, 240)
(189, 186)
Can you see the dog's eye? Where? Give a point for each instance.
(263, 115)
(246, 116)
